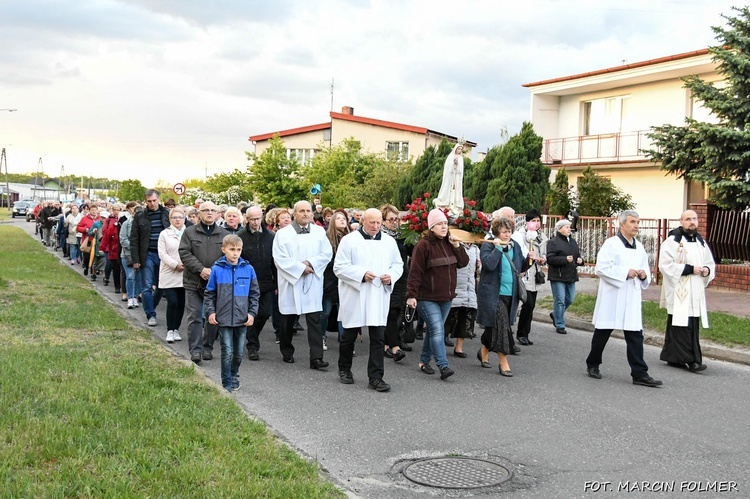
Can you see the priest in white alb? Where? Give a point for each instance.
(687, 264)
(623, 271)
(301, 252)
(367, 265)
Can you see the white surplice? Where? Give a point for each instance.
(684, 296)
(618, 300)
(298, 293)
(366, 303)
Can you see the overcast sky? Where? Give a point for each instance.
(172, 89)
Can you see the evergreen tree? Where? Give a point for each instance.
(717, 154)
(599, 197)
(273, 177)
(519, 178)
(559, 198)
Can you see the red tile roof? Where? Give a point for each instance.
(614, 69)
(291, 131)
(372, 121)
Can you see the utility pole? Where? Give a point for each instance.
(39, 169)
(4, 161)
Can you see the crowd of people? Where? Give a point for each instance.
(230, 269)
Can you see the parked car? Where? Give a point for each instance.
(21, 209)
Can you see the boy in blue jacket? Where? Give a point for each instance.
(231, 302)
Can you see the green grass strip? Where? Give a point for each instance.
(91, 407)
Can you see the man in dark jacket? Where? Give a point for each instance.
(257, 249)
(144, 249)
(200, 248)
(563, 258)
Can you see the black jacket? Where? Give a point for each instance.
(558, 249)
(140, 233)
(257, 249)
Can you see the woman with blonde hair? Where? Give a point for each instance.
(337, 229)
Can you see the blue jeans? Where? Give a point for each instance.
(434, 314)
(130, 287)
(564, 293)
(150, 278)
(73, 252)
(327, 307)
(232, 349)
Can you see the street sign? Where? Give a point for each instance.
(179, 189)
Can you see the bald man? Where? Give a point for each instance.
(687, 264)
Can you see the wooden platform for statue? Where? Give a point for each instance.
(465, 236)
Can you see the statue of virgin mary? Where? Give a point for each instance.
(451, 194)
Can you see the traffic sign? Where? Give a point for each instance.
(179, 189)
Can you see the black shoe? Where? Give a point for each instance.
(560, 330)
(523, 340)
(460, 355)
(288, 360)
(406, 347)
(647, 381)
(388, 353)
(694, 367)
(448, 342)
(516, 350)
(400, 355)
(677, 364)
(425, 368)
(208, 356)
(346, 377)
(252, 354)
(93, 277)
(379, 385)
(446, 372)
(552, 316)
(85, 271)
(298, 327)
(106, 281)
(196, 357)
(486, 365)
(318, 364)
(594, 372)
(507, 374)
(117, 290)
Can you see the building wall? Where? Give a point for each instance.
(373, 138)
(307, 140)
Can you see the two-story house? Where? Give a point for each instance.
(601, 118)
(396, 140)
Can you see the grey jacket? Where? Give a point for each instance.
(198, 251)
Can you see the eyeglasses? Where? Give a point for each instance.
(209, 211)
(255, 219)
(392, 219)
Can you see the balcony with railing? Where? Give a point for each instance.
(603, 148)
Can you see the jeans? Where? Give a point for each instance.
(73, 252)
(564, 293)
(175, 307)
(327, 308)
(232, 349)
(130, 287)
(434, 314)
(150, 278)
(634, 342)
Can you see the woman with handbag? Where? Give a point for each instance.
(88, 242)
(500, 290)
(533, 244)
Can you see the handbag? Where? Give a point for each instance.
(409, 334)
(520, 286)
(86, 245)
(539, 277)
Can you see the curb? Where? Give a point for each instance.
(710, 349)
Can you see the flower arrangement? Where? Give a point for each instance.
(471, 220)
(414, 222)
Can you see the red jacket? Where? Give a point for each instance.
(85, 225)
(111, 238)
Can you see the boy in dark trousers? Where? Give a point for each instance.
(231, 302)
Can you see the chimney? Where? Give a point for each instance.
(347, 110)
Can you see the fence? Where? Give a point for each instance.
(729, 235)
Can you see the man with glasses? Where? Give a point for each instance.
(200, 247)
(144, 249)
(257, 248)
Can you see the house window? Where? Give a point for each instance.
(303, 156)
(698, 111)
(398, 151)
(607, 115)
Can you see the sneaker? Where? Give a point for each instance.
(170, 336)
(208, 356)
(176, 335)
(346, 377)
(325, 345)
(135, 303)
(152, 321)
(594, 372)
(647, 381)
(278, 340)
(252, 354)
(130, 303)
(235, 383)
(446, 372)
(379, 385)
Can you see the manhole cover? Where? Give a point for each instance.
(456, 472)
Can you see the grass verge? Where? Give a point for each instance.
(5, 213)
(92, 407)
(724, 328)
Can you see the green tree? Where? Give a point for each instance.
(342, 171)
(518, 177)
(599, 197)
(716, 153)
(559, 197)
(237, 182)
(131, 190)
(275, 178)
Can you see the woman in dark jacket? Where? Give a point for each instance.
(432, 281)
(497, 295)
(393, 346)
(337, 228)
(563, 258)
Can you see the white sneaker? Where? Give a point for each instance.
(152, 321)
(130, 303)
(176, 335)
(325, 345)
(170, 336)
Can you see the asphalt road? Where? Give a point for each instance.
(553, 427)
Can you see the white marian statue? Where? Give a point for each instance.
(451, 194)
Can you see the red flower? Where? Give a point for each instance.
(411, 227)
(424, 215)
(472, 203)
(421, 207)
(427, 195)
(459, 220)
(467, 212)
(408, 207)
(476, 223)
(418, 200)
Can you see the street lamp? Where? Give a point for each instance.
(9, 110)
